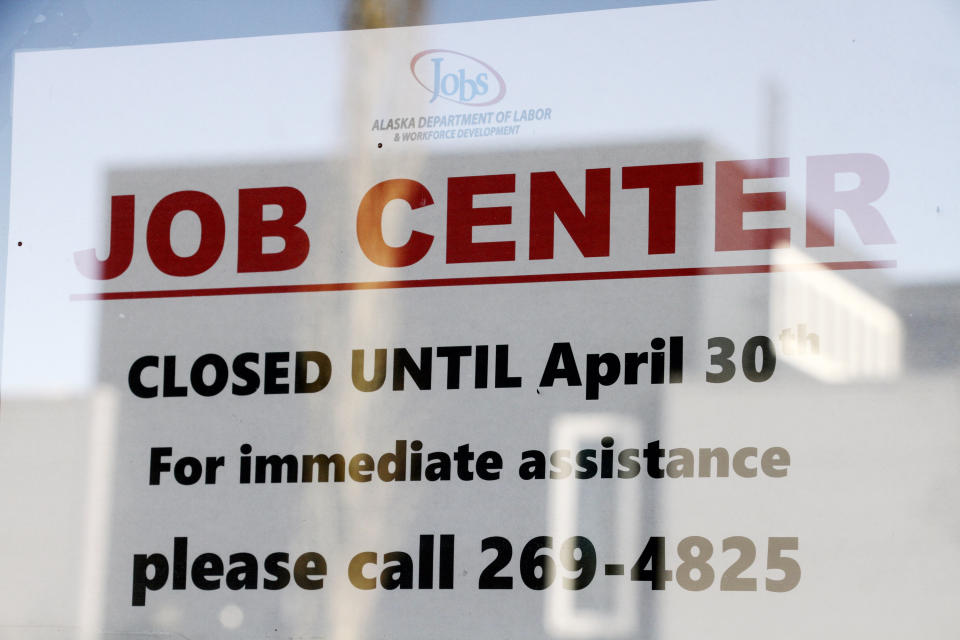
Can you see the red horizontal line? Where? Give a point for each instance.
(485, 280)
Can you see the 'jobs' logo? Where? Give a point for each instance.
(457, 77)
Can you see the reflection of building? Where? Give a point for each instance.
(931, 317)
(57, 458)
(841, 437)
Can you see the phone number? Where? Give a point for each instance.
(574, 562)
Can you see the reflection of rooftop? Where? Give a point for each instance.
(828, 327)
